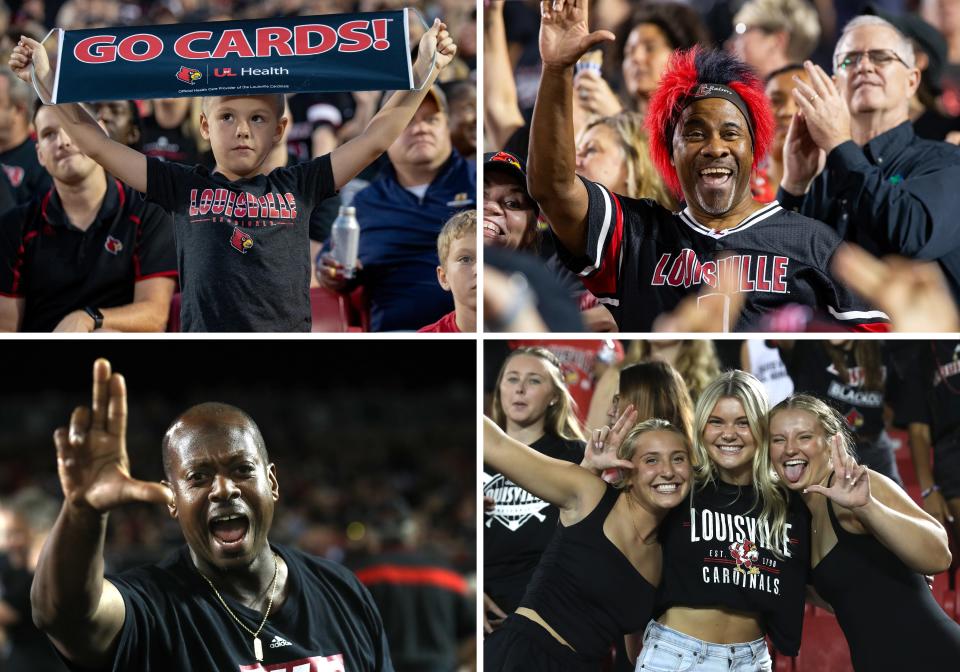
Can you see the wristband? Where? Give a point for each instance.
(929, 491)
(96, 315)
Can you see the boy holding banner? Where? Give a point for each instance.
(242, 236)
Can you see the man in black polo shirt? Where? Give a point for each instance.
(87, 254)
(229, 599)
(882, 186)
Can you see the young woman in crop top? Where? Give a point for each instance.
(596, 581)
(735, 556)
(871, 544)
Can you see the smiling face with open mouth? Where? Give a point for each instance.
(661, 479)
(225, 490)
(799, 449)
(509, 214)
(713, 155)
(729, 441)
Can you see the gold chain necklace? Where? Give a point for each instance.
(257, 644)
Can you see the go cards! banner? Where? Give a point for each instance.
(335, 52)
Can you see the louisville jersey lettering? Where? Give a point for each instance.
(641, 260)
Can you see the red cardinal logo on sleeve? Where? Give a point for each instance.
(241, 242)
(188, 75)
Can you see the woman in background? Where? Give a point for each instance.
(532, 405)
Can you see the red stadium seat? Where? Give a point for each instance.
(360, 311)
(824, 648)
(331, 311)
(173, 321)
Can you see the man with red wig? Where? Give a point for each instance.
(709, 124)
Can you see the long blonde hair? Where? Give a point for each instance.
(768, 492)
(561, 419)
(696, 362)
(656, 390)
(643, 180)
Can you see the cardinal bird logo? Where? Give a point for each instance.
(241, 242)
(188, 75)
(854, 419)
(113, 245)
(746, 555)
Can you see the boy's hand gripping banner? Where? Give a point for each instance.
(335, 52)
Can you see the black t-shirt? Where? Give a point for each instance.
(167, 144)
(931, 393)
(27, 177)
(520, 528)
(641, 260)
(57, 268)
(243, 247)
(813, 372)
(716, 553)
(175, 622)
(310, 110)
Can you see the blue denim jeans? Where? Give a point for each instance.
(666, 650)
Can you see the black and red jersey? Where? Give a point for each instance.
(641, 260)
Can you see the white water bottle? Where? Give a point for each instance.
(345, 237)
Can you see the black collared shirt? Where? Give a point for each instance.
(57, 268)
(898, 194)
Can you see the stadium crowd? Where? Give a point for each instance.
(602, 212)
(58, 203)
(748, 410)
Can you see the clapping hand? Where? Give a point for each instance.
(851, 484)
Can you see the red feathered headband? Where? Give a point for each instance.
(683, 82)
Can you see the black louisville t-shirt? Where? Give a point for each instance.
(328, 622)
(243, 247)
(521, 526)
(931, 392)
(813, 372)
(641, 260)
(717, 553)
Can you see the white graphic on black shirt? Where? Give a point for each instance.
(311, 664)
(514, 505)
(279, 641)
(737, 555)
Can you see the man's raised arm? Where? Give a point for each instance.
(551, 164)
(80, 611)
(128, 165)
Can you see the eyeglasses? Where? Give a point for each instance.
(879, 57)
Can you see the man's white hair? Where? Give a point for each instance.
(903, 47)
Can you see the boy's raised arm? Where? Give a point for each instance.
(127, 164)
(350, 158)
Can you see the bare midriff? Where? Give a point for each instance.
(720, 626)
(535, 617)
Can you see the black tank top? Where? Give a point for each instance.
(586, 589)
(885, 609)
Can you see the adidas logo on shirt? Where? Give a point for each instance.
(279, 641)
